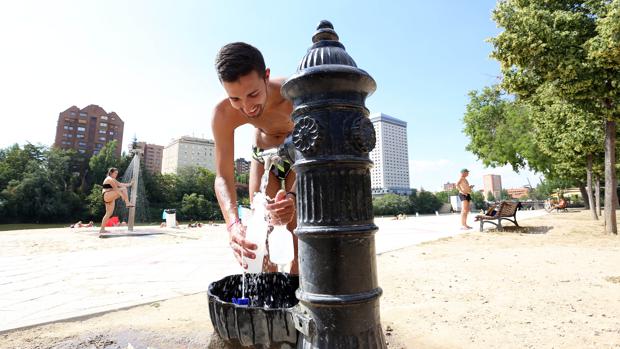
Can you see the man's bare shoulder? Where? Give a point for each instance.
(226, 117)
(278, 81)
(275, 85)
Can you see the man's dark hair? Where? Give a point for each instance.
(238, 59)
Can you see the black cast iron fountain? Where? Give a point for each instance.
(338, 290)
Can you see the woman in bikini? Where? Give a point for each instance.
(112, 190)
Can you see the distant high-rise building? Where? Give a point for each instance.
(242, 166)
(152, 156)
(188, 151)
(88, 130)
(390, 173)
(492, 183)
(449, 186)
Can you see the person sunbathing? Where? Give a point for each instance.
(79, 224)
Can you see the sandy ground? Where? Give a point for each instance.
(553, 284)
(41, 241)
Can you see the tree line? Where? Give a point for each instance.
(39, 184)
(556, 105)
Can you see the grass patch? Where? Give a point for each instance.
(22, 226)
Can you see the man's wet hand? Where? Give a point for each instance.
(240, 246)
(282, 210)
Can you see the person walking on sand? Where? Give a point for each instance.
(112, 190)
(465, 195)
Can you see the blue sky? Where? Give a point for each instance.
(152, 63)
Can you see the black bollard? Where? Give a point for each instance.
(338, 290)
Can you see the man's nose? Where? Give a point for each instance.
(246, 105)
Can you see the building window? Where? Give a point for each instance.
(111, 133)
(81, 129)
(102, 139)
(82, 115)
(101, 132)
(103, 124)
(81, 151)
(103, 117)
(98, 145)
(72, 113)
(82, 144)
(79, 135)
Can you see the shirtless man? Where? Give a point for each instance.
(252, 99)
(465, 194)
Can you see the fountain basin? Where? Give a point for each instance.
(267, 321)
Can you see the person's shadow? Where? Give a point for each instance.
(524, 230)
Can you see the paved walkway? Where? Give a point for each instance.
(36, 289)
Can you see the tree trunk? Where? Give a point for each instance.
(597, 194)
(584, 195)
(611, 199)
(589, 187)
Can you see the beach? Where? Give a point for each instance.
(553, 283)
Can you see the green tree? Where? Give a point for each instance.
(194, 179)
(500, 131)
(14, 161)
(390, 204)
(106, 158)
(194, 206)
(572, 136)
(40, 186)
(503, 195)
(94, 202)
(490, 196)
(571, 46)
(444, 196)
(426, 202)
(478, 199)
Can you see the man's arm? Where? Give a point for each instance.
(459, 184)
(223, 126)
(223, 134)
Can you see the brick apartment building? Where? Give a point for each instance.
(242, 166)
(449, 186)
(152, 156)
(87, 130)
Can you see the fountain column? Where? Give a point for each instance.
(134, 188)
(338, 291)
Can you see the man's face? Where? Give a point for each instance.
(465, 174)
(248, 94)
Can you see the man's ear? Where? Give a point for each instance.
(267, 71)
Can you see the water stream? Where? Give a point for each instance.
(121, 210)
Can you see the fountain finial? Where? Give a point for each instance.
(324, 31)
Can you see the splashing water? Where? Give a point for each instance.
(257, 226)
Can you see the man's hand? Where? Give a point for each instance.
(240, 245)
(282, 210)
